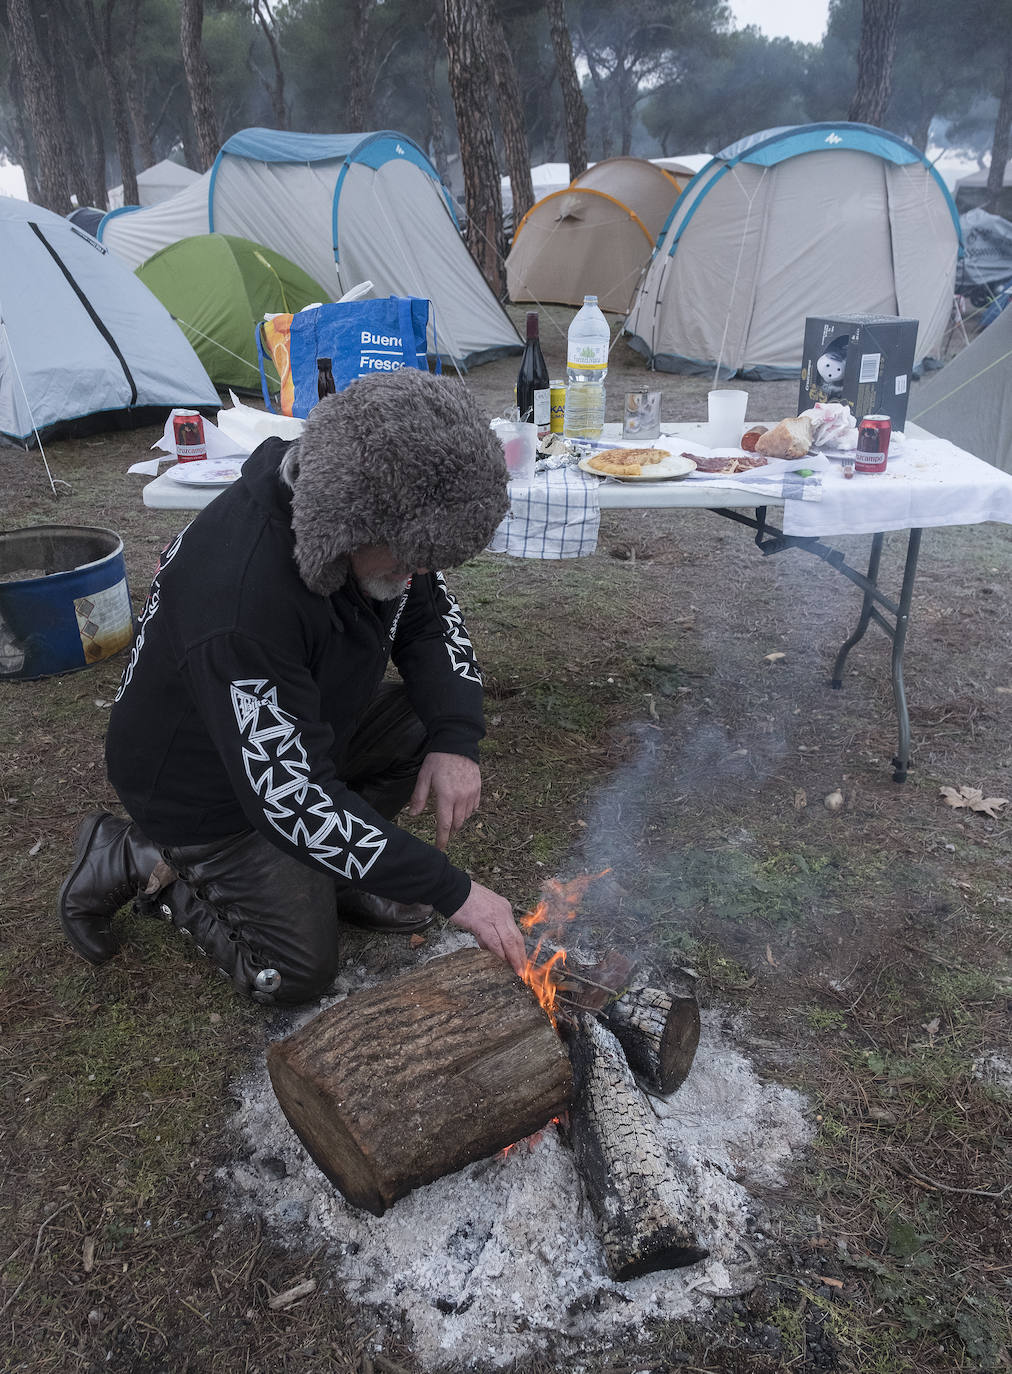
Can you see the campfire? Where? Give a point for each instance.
(431, 1071)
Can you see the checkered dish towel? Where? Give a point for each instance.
(556, 516)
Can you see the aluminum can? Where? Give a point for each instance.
(188, 433)
(872, 444)
(557, 401)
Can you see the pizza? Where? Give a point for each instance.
(625, 462)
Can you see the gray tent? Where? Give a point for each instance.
(970, 400)
(823, 219)
(987, 254)
(346, 208)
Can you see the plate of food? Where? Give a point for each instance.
(638, 464)
(207, 472)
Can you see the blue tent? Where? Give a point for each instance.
(816, 219)
(346, 208)
(83, 343)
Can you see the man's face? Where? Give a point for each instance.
(379, 573)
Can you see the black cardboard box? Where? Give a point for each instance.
(865, 361)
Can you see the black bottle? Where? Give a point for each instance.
(324, 378)
(533, 392)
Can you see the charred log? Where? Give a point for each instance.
(659, 1030)
(643, 1208)
(417, 1077)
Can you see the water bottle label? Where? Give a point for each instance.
(588, 356)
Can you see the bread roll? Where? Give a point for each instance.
(788, 439)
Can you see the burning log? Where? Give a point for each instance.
(417, 1077)
(640, 1203)
(659, 1030)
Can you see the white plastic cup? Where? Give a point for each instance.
(520, 447)
(725, 412)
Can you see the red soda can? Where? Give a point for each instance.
(872, 444)
(188, 432)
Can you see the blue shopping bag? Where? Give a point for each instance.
(359, 337)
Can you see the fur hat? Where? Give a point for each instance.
(399, 458)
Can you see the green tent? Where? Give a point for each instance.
(218, 288)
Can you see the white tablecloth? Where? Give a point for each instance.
(930, 482)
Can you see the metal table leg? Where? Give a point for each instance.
(867, 606)
(901, 763)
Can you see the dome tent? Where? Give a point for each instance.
(346, 208)
(594, 237)
(818, 219)
(84, 345)
(218, 288)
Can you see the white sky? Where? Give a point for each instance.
(802, 20)
(12, 181)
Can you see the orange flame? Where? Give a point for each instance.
(558, 906)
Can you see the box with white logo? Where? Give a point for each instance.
(863, 361)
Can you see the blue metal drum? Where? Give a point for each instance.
(64, 602)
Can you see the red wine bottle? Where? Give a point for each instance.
(533, 393)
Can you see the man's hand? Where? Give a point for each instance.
(489, 918)
(455, 783)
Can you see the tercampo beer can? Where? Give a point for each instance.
(188, 432)
(557, 397)
(872, 444)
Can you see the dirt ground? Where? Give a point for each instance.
(636, 719)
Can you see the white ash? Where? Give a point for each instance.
(995, 1070)
(503, 1259)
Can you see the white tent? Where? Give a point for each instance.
(821, 219)
(157, 183)
(970, 400)
(83, 342)
(345, 208)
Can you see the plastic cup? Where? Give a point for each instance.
(520, 447)
(642, 416)
(725, 412)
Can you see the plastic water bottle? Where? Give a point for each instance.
(586, 369)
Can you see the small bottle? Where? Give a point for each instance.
(324, 378)
(586, 368)
(533, 394)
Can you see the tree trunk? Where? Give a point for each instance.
(276, 88)
(511, 117)
(198, 79)
(77, 130)
(362, 61)
(601, 91)
(569, 83)
(40, 108)
(1000, 143)
(875, 61)
(470, 84)
(658, 1028)
(437, 131)
(132, 86)
(99, 29)
(643, 1208)
(419, 1076)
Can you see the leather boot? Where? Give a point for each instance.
(382, 913)
(112, 864)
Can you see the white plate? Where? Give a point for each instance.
(666, 470)
(207, 472)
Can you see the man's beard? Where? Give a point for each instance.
(384, 588)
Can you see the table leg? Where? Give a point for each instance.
(867, 606)
(901, 763)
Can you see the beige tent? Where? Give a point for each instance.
(821, 219)
(593, 238)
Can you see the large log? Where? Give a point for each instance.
(416, 1077)
(659, 1030)
(642, 1206)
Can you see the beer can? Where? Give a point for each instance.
(872, 444)
(557, 400)
(188, 433)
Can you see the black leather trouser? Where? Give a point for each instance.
(250, 906)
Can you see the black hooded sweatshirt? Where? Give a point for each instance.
(244, 689)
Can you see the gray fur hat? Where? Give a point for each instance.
(399, 458)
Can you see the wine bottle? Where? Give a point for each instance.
(325, 385)
(533, 394)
